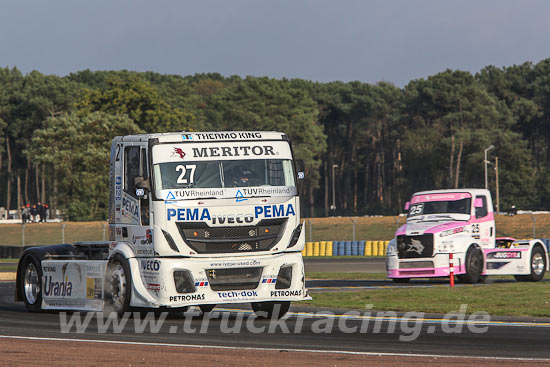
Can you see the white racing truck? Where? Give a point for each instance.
(194, 219)
(459, 222)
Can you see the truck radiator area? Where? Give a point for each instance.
(234, 279)
(410, 247)
(218, 240)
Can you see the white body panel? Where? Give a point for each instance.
(148, 231)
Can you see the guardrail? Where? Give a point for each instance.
(345, 248)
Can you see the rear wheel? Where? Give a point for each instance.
(30, 283)
(538, 267)
(401, 280)
(271, 310)
(118, 285)
(474, 266)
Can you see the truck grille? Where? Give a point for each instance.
(234, 279)
(218, 240)
(409, 247)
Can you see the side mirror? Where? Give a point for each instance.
(142, 183)
(478, 203)
(407, 206)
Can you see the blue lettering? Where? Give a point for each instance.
(278, 211)
(205, 214)
(267, 211)
(193, 214)
(181, 214)
(257, 211)
(290, 210)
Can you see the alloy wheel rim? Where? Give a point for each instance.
(537, 264)
(31, 284)
(118, 284)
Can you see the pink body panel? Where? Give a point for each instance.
(424, 272)
(440, 197)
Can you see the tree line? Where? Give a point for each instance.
(378, 143)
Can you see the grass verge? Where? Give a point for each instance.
(508, 299)
(314, 275)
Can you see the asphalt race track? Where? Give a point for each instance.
(358, 264)
(498, 340)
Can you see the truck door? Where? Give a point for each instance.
(133, 223)
(135, 165)
(484, 223)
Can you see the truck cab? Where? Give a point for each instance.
(459, 222)
(201, 218)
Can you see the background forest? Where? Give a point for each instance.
(386, 141)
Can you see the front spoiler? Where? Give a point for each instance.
(154, 286)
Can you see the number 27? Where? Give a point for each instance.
(183, 169)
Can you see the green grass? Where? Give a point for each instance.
(9, 260)
(509, 299)
(8, 267)
(50, 233)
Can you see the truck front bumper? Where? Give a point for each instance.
(179, 282)
(436, 266)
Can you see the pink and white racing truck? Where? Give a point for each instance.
(459, 222)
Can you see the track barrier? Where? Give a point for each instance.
(345, 248)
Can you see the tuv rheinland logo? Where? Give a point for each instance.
(57, 289)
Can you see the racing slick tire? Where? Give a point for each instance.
(30, 283)
(270, 310)
(538, 266)
(118, 285)
(401, 280)
(474, 266)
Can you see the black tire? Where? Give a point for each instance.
(118, 285)
(522, 278)
(271, 310)
(206, 308)
(401, 280)
(30, 283)
(474, 266)
(157, 312)
(537, 264)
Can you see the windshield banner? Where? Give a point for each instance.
(221, 151)
(440, 197)
(239, 194)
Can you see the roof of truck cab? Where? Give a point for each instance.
(206, 136)
(473, 192)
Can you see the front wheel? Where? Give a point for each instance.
(271, 310)
(118, 285)
(30, 283)
(538, 267)
(474, 266)
(206, 308)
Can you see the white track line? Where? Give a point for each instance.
(274, 349)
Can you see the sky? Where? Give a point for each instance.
(320, 40)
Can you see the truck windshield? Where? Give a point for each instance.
(222, 174)
(440, 207)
